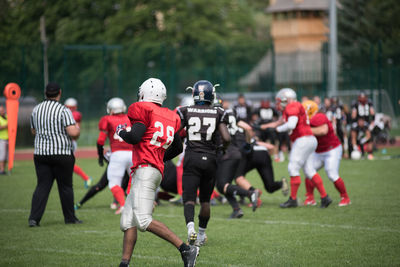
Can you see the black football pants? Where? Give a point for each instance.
(48, 169)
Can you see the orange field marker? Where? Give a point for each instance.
(12, 92)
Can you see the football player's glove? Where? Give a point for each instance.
(100, 153)
(120, 128)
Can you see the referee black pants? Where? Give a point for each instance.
(48, 169)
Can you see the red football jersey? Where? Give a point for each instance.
(161, 125)
(328, 141)
(77, 116)
(108, 124)
(303, 125)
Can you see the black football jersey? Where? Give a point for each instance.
(201, 123)
(238, 137)
(267, 115)
(363, 110)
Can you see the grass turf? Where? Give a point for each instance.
(366, 233)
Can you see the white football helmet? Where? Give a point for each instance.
(116, 105)
(152, 90)
(284, 94)
(71, 102)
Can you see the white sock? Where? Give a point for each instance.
(190, 227)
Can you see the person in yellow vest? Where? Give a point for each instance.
(3, 139)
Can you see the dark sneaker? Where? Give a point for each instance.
(189, 256)
(33, 223)
(76, 221)
(236, 214)
(325, 202)
(290, 203)
(285, 187)
(254, 199)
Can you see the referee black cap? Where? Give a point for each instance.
(52, 89)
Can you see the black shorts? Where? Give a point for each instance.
(199, 171)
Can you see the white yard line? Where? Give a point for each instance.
(296, 223)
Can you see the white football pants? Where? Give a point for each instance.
(138, 208)
(299, 156)
(120, 162)
(330, 160)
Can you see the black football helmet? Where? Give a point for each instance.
(203, 90)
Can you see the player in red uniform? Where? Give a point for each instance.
(328, 153)
(121, 152)
(72, 104)
(155, 139)
(294, 119)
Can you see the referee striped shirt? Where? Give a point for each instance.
(49, 119)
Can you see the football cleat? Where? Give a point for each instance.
(310, 201)
(254, 198)
(201, 240)
(285, 186)
(177, 200)
(325, 202)
(119, 210)
(192, 237)
(290, 203)
(88, 183)
(77, 206)
(236, 214)
(345, 201)
(189, 256)
(259, 201)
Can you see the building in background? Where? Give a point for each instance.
(299, 30)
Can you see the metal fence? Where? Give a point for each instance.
(95, 73)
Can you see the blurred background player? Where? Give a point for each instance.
(266, 114)
(202, 122)
(243, 108)
(72, 104)
(229, 162)
(121, 152)
(340, 122)
(362, 116)
(3, 140)
(295, 120)
(328, 153)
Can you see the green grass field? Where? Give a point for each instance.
(367, 233)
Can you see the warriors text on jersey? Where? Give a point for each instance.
(108, 124)
(201, 124)
(328, 141)
(161, 126)
(303, 126)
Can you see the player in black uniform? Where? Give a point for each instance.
(362, 116)
(228, 164)
(266, 114)
(202, 121)
(257, 157)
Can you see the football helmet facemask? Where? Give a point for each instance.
(203, 90)
(152, 90)
(284, 95)
(116, 105)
